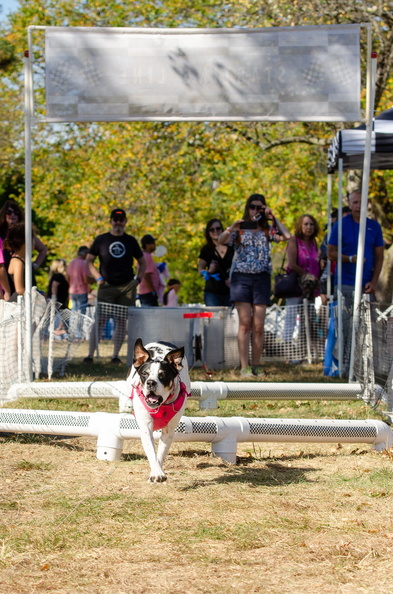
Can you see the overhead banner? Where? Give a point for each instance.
(275, 74)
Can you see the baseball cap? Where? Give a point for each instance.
(147, 239)
(118, 212)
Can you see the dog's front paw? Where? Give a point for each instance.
(157, 478)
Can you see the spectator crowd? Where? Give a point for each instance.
(234, 262)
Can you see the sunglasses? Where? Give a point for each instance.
(118, 218)
(215, 229)
(256, 207)
(9, 211)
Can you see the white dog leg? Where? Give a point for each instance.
(157, 475)
(163, 445)
(166, 438)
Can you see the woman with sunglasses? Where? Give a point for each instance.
(12, 214)
(214, 264)
(251, 271)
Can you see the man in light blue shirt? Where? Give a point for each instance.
(372, 266)
(373, 248)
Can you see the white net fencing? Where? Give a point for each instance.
(108, 332)
(59, 334)
(56, 335)
(296, 332)
(373, 361)
(209, 335)
(108, 336)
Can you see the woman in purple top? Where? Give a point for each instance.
(302, 253)
(302, 248)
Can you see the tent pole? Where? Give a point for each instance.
(339, 269)
(28, 218)
(329, 230)
(371, 76)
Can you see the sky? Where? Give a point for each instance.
(7, 6)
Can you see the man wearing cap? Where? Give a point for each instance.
(150, 284)
(116, 251)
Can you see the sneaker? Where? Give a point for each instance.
(258, 370)
(247, 372)
(116, 361)
(88, 360)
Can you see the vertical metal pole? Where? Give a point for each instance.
(51, 336)
(340, 336)
(307, 328)
(329, 230)
(28, 219)
(20, 318)
(371, 76)
(96, 329)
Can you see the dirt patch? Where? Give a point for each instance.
(286, 518)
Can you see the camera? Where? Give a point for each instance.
(249, 225)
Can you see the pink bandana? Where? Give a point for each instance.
(166, 411)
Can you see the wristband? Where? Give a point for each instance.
(99, 278)
(227, 230)
(138, 279)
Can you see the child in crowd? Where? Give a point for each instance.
(170, 295)
(58, 285)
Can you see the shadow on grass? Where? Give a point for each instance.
(35, 438)
(272, 475)
(133, 457)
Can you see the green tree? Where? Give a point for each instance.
(172, 177)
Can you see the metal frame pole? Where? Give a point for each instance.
(340, 336)
(371, 76)
(29, 109)
(329, 230)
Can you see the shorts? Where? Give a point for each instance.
(149, 299)
(251, 288)
(216, 299)
(117, 294)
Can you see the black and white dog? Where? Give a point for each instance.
(158, 384)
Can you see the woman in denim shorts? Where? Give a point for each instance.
(251, 271)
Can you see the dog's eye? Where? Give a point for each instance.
(144, 374)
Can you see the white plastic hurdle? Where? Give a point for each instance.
(208, 393)
(224, 433)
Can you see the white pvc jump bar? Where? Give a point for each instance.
(208, 393)
(224, 433)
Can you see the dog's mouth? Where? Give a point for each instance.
(152, 400)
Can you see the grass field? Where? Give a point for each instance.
(285, 518)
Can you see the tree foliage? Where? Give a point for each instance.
(171, 178)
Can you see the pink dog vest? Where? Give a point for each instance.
(166, 411)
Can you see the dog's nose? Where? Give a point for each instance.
(151, 384)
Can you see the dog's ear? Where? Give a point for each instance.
(175, 358)
(141, 355)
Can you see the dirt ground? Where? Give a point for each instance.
(286, 518)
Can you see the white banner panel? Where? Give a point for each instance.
(116, 74)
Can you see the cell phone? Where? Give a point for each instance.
(248, 225)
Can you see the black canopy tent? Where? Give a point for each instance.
(347, 151)
(349, 145)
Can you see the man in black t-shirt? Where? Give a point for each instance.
(116, 281)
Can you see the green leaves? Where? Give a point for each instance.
(172, 177)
